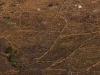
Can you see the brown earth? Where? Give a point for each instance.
(50, 37)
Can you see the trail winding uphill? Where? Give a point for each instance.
(50, 37)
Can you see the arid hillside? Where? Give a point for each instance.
(49, 37)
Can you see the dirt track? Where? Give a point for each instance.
(50, 37)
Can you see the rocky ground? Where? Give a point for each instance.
(49, 37)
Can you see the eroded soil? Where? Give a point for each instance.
(50, 37)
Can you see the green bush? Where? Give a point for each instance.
(14, 65)
(8, 49)
(11, 56)
(9, 59)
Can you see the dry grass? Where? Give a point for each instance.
(51, 37)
